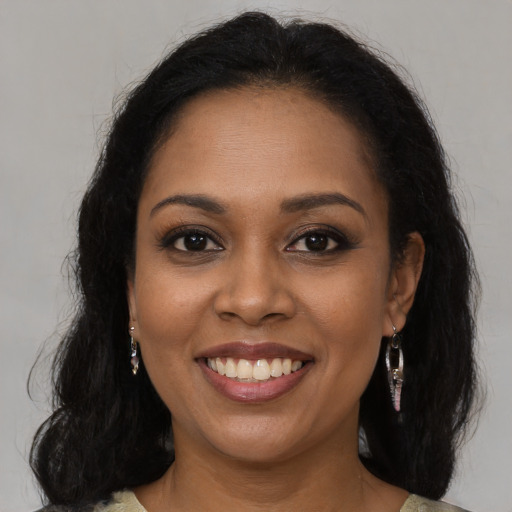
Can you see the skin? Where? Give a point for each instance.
(258, 280)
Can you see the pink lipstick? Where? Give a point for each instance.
(254, 373)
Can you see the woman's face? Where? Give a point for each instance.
(262, 252)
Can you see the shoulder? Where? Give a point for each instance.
(122, 501)
(416, 503)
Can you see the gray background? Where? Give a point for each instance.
(62, 62)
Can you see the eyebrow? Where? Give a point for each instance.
(292, 205)
(311, 201)
(194, 200)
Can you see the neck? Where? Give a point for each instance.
(328, 478)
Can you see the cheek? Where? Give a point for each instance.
(167, 316)
(349, 312)
(351, 300)
(169, 311)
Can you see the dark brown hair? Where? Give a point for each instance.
(109, 431)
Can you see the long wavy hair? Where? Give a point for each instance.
(111, 431)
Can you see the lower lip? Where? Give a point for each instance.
(253, 392)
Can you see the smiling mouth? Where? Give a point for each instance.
(258, 370)
(254, 373)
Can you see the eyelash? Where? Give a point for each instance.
(169, 240)
(342, 242)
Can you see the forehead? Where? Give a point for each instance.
(246, 142)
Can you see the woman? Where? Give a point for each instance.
(276, 291)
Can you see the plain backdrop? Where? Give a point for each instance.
(63, 61)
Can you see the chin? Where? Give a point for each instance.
(263, 442)
(257, 455)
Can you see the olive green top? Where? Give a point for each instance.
(125, 501)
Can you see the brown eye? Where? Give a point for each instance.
(194, 241)
(316, 242)
(319, 241)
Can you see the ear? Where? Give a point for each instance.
(403, 283)
(130, 296)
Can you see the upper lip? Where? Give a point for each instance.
(251, 350)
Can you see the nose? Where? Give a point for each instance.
(255, 290)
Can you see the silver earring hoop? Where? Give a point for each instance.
(395, 368)
(134, 358)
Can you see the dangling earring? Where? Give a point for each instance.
(395, 367)
(134, 358)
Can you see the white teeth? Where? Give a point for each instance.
(244, 369)
(230, 368)
(296, 365)
(220, 366)
(259, 370)
(276, 368)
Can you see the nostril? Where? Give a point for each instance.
(273, 315)
(254, 297)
